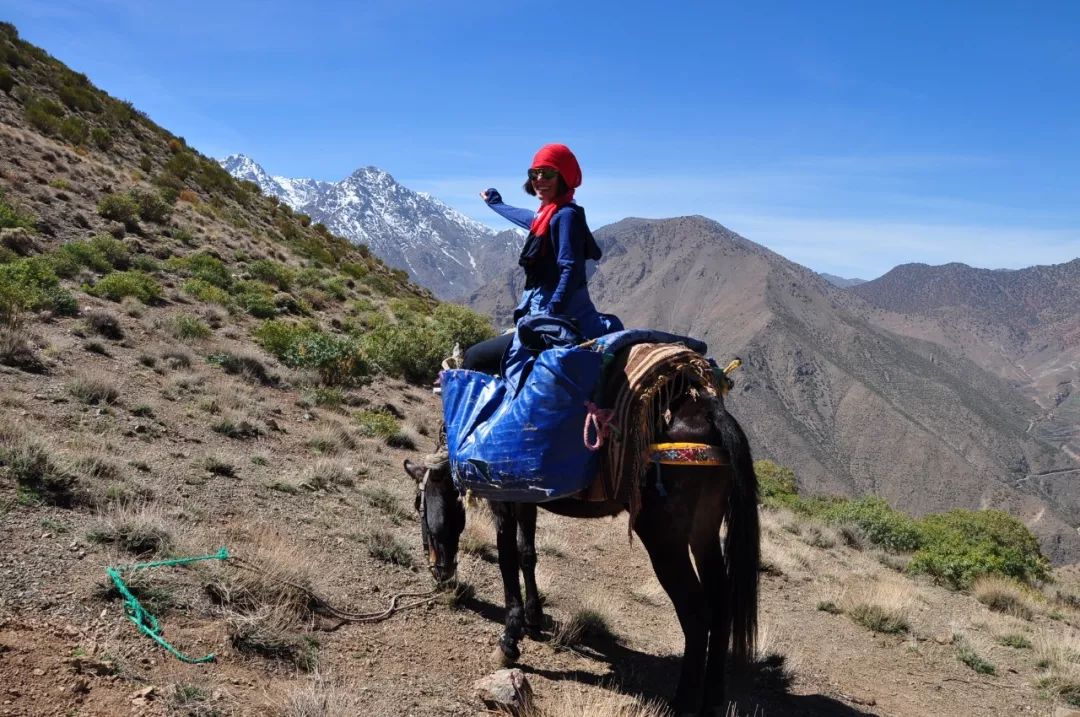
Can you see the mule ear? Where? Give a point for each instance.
(415, 471)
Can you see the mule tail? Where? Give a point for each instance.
(742, 542)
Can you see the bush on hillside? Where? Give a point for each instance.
(120, 284)
(152, 206)
(102, 137)
(101, 254)
(203, 266)
(881, 524)
(414, 347)
(120, 207)
(338, 360)
(44, 115)
(962, 545)
(7, 81)
(205, 291)
(10, 217)
(75, 130)
(32, 285)
(777, 487)
(272, 272)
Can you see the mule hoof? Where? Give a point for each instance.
(501, 659)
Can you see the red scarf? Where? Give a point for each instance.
(543, 216)
(561, 158)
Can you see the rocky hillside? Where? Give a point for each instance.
(1023, 325)
(859, 409)
(439, 247)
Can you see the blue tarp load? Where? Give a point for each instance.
(526, 447)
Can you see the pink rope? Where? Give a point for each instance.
(600, 419)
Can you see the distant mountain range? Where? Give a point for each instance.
(438, 246)
(841, 281)
(829, 388)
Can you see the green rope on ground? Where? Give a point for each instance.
(143, 620)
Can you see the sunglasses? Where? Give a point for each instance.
(543, 173)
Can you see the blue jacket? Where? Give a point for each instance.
(555, 274)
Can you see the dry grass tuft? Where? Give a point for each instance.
(332, 440)
(882, 606)
(595, 703)
(40, 477)
(328, 474)
(319, 698)
(138, 529)
(281, 578)
(273, 631)
(478, 538)
(1005, 596)
(387, 547)
(93, 386)
(592, 621)
(16, 349)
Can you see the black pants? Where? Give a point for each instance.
(486, 356)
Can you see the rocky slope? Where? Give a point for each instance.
(439, 247)
(1023, 325)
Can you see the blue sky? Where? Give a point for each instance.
(847, 136)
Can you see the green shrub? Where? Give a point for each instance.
(181, 165)
(202, 266)
(461, 326)
(44, 115)
(31, 285)
(119, 284)
(102, 137)
(961, 545)
(1016, 641)
(101, 254)
(776, 484)
(877, 521)
(78, 97)
(152, 207)
(277, 336)
(272, 272)
(120, 207)
(187, 327)
(10, 217)
(205, 291)
(337, 359)
(377, 423)
(972, 659)
(7, 82)
(75, 130)
(415, 347)
(257, 299)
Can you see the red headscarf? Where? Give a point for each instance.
(561, 158)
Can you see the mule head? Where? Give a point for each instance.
(442, 516)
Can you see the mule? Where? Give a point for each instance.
(681, 515)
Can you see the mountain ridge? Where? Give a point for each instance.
(437, 245)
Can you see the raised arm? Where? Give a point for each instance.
(522, 217)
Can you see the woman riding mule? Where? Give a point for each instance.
(682, 508)
(554, 257)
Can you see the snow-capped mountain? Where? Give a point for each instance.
(441, 248)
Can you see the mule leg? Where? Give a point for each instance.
(526, 545)
(509, 565)
(709, 558)
(668, 548)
